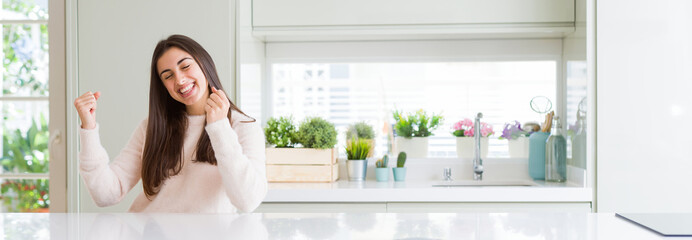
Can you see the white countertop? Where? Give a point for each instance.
(423, 173)
(58, 226)
(422, 191)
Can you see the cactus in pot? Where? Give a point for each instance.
(400, 170)
(381, 170)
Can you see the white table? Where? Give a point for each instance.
(59, 226)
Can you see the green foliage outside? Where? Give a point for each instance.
(358, 149)
(316, 133)
(360, 130)
(280, 132)
(418, 124)
(25, 153)
(25, 73)
(26, 58)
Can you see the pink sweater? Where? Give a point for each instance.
(238, 181)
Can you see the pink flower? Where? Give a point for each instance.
(464, 128)
(468, 133)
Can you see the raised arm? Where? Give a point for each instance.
(240, 156)
(239, 153)
(107, 182)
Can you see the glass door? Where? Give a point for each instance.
(24, 105)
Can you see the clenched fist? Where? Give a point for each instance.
(217, 106)
(86, 108)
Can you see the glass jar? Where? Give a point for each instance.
(556, 154)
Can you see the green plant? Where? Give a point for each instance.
(401, 160)
(358, 149)
(360, 130)
(418, 124)
(26, 153)
(316, 133)
(280, 132)
(25, 48)
(382, 163)
(25, 58)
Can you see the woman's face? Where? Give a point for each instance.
(184, 79)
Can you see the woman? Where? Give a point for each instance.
(196, 152)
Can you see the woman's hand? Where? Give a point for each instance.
(86, 108)
(217, 106)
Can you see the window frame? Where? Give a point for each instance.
(56, 99)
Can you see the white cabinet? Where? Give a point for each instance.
(644, 77)
(422, 207)
(275, 13)
(320, 20)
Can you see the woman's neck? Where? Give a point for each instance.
(198, 107)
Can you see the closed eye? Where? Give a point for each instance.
(186, 67)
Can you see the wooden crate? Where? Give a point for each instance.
(302, 165)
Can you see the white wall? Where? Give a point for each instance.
(116, 39)
(644, 78)
(250, 62)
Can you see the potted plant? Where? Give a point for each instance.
(361, 130)
(315, 161)
(381, 169)
(518, 140)
(316, 132)
(413, 130)
(400, 171)
(357, 151)
(280, 132)
(26, 153)
(464, 132)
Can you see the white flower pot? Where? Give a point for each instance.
(519, 148)
(465, 147)
(415, 147)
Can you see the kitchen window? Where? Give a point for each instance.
(347, 82)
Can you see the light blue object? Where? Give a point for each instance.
(537, 155)
(399, 174)
(382, 174)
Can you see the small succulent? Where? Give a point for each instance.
(360, 130)
(382, 163)
(401, 160)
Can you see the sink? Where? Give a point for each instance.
(485, 183)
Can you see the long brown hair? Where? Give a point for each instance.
(163, 147)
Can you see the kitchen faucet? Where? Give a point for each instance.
(477, 161)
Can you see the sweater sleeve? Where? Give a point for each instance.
(109, 182)
(240, 157)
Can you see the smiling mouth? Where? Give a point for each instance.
(187, 90)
